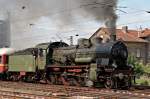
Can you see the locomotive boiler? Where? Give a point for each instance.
(87, 52)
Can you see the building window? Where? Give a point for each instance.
(149, 54)
(138, 53)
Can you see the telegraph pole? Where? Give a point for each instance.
(71, 40)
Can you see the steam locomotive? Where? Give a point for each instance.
(89, 63)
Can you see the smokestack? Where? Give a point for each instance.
(111, 25)
(112, 37)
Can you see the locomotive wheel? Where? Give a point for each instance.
(128, 83)
(81, 81)
(4, 76)
(89, 83)
(73, 82)
(52, 79)
(43, 78)
(109, 83)
(15, 78)
(29, 78)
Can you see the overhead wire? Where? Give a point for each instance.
(80, 6)
(35, 36)
(45, 35)
(143, 21)
(87, 5)
(65, 10)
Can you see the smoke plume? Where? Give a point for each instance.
(25, 13)
(4, 30)
(103, 10)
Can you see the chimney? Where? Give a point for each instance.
(146, 29)
(139, 31)
(125, 29)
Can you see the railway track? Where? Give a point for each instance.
(20, 90)
(141, 87)
(20, 95)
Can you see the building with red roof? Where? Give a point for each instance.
(137, 41)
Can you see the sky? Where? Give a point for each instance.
(32, 23)
(136, 15)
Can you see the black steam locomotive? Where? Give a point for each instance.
(86, 64)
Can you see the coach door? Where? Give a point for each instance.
(3, 63)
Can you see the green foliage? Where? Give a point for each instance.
(143, 81)
(138, 67)
(141, 71)
(131, 60)
(147, 69)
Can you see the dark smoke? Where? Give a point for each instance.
(4, 31)
(103, 10)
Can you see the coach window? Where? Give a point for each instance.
(0, 59)
(149, 54)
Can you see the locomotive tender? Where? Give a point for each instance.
(85, 64)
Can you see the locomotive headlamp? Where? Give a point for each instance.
(120, 75)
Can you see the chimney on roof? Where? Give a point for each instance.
(139, 31)
(146, 29)
(125, 29)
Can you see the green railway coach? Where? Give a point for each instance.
(31, 60)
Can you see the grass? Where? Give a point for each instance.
(143, 80)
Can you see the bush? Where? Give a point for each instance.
(144, 83)
(141, 71)
(138, 67)
(143, 80)
(147, 69)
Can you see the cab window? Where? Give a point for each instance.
(41, 52)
